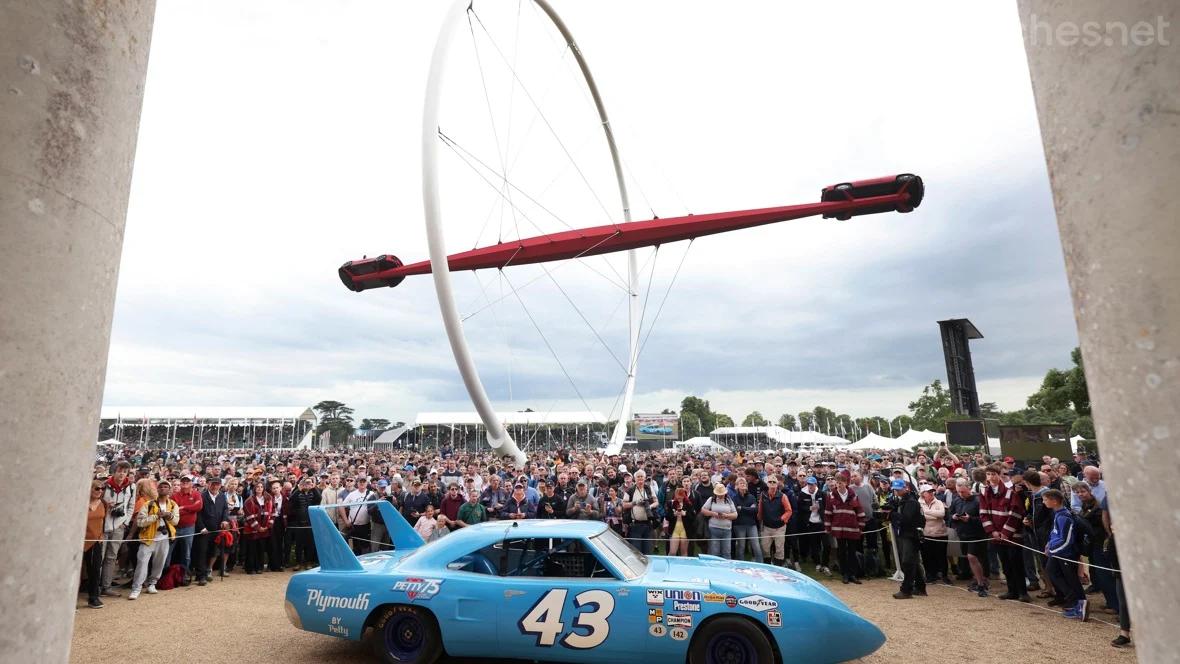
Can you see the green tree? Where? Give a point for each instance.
(806, 420)
(336, 418)
(723, 420)
(1083, 426)
(932, 409)
(376, 423)
(845, 425)
(787, 421)
(825, 418)
(901, 424)
(1063, 389)
(667, 411)
(755, 419)
(696, 417)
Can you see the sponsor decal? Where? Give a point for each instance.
(683, 595)
(655, 596)
(336, 628)
(774, 618)
(731, 601)
(657, 630)
(655, 615)
(757, 603)
(509, 594)
(765, 574)
(678, 633)
(416, 588)
(715, 598)
(678, 605)
(322, 602)
(679, 620)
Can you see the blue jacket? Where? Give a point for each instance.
(1062, 539)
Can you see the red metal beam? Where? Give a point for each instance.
(896, 193)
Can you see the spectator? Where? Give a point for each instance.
(745, 526)
(156, 514)
(119, 497)
(96, 515)
(471, 512)
(934, 535)
(967, 524)
(907, 521)
(809, 521)
(1093, 547)
(640, 503)
(774, 512)
(258, 517)
(1062, 552)
(1002, 512)
(494, 498)
(359, 525)
(299, 521)
(426, 524)
(844, 521)
(518, 506)
(190, 505)
(214, 512)
(451, 503)
(1092, 476)
(679, 513)
(581, 505)
(721, 513)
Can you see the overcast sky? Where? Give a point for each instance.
(280, 139)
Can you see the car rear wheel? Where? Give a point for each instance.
(730, 641)
(406, 635)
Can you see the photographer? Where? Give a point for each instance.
(965, 520)
(156, 516)
(118, 494)
(907, 520)
(641, 503)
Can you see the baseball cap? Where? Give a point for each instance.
(926, 487)
(382, 483)
(186, 478)
(214, 480)
(1009, 459)
(811, 480)
(897, 484)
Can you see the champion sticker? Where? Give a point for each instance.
(715, 598)
(655, 596)
(415, 588)
(657, 630)
(678, 633)
(774, 618)
(757, 603)
(655, 615)
(678, 620)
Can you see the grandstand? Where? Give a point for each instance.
(464, 431)
(206, 427)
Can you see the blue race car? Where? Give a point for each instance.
(655, 429)
(568, 591)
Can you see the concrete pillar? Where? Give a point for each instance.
(1106, 74)
(71, 87)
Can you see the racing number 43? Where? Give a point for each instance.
(543, 620)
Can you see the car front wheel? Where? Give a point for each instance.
(730, 641)
(406, 635)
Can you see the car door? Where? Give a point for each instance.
(567, 618)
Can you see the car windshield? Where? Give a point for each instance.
(620, 552)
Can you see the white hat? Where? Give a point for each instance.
(926, 487)
(622, 467)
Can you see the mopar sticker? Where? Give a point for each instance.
(678, 633)
(774, 618)
(684, 595)
(657, 630)
(757, 603)
(655, 615)
(731, 601)
(715, 598)
(655, 596)
(678, 620)
(678, 605)
(316, 598)
(418, 588)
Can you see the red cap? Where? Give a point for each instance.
(1009, 460)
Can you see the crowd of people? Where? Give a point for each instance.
(160, 518)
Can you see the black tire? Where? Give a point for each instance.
(730, 639)
(404, 634)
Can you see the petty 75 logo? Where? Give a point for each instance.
(322, 602)
(418, 588)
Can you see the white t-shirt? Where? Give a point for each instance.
(358, 515)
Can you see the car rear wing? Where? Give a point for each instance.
(333, 550)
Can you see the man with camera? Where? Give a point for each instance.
(905, 514)
(640, 502)
(118, 493)
(214, 512)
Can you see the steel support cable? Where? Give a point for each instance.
(547, 344)
(544, 119)
(667, 292)
(492, 119)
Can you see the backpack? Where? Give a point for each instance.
(171, 578)
(1084, 530)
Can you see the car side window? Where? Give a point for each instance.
(546, 557)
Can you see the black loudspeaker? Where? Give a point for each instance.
(960, 374)
(966, 432)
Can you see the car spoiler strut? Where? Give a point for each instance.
(331, 547)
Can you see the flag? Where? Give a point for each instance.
(325, 440)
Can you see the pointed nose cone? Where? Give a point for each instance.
(857, 638)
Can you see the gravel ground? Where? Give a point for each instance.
(236, 626)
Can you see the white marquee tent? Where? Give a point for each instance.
(874, 441)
